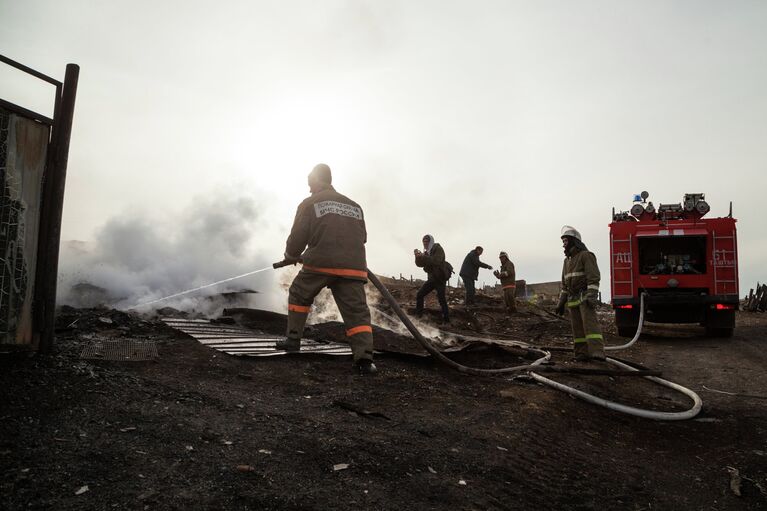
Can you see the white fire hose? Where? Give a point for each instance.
(630, 410)
(542, 354)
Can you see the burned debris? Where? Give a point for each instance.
(756, 301)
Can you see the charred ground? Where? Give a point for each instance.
(198, 429)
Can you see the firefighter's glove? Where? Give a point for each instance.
(292, 259)
(497, 274)
(560, 310)
(287, 261)
(591, 299)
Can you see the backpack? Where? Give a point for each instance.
(448, 269)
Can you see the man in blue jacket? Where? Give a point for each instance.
(470, 272)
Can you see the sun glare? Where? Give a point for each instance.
(296, 132)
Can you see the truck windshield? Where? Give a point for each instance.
(672, 255)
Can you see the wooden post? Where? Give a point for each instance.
(52, 208)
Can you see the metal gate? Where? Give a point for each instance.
(33, 161)
(23, 148)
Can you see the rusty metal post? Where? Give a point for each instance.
(52, 208)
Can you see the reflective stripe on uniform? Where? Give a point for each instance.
(579, 339)
(299, 308)
(574, 303)
(593, 286)
(341, 272)
(507, 286)
(358, 330)
(574, 274)
(594, 336)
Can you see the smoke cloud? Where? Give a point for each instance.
(138, 258)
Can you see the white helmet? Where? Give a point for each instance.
(503, 254)
(570, 231)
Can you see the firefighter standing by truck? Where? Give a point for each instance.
(508, 278)
(333, 227)
(580, 289)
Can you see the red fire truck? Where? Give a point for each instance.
(686, 265)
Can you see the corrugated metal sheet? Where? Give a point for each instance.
(236, 340)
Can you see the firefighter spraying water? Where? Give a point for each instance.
(328, 237)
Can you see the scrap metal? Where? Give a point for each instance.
(236, 340)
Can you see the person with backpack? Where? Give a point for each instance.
(470, 272)
(438, 271)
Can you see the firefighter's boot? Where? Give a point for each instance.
(297, 315)
(365, 366)
(596, 349)
(581, 350)
(288, 344)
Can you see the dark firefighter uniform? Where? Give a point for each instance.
(332, 228)
(508, 277)
(580, 289)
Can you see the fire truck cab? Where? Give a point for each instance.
(686, 265)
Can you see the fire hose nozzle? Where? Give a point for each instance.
(285, 262)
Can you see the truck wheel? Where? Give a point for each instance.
(723, 333)
(627, 331)
(626, 322)
(720, 323)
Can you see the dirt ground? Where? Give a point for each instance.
(199, 429)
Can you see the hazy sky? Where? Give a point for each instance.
(480, 122)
